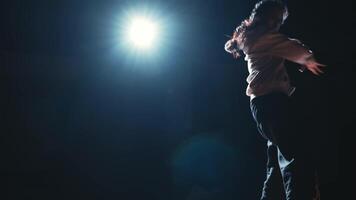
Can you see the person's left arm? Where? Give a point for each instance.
(295, 51)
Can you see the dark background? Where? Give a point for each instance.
(83, 120)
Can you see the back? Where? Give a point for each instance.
(265, 57)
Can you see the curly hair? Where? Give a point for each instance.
(266, 15)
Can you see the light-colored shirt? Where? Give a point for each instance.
(265, 58)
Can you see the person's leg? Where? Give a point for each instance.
(294, 153)
(299, 178)
(272, 187)
(275, 122)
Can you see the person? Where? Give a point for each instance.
(291, 173)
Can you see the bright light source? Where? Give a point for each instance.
(142, 32)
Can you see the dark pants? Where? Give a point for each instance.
(290, 168)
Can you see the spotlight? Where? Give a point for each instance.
(142, 32)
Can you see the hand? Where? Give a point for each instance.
(231, 48)
(235, 54)
(314, 67)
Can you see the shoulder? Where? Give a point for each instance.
(267, 40)
(275, 37)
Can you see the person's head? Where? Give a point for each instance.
(266, 16)
(269, 13)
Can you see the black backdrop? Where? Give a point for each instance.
(79, 121)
